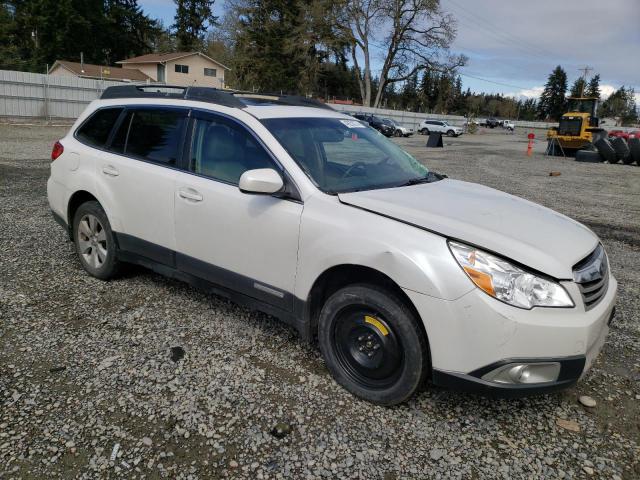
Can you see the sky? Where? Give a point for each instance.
(514, 45)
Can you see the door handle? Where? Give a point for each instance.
(110, 170)
(190, 194)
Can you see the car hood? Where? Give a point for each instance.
(510, 226)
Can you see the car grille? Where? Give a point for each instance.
(592, 276)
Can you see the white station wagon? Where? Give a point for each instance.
(400, 274)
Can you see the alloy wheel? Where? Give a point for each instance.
(92, 241)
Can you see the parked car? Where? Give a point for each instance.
(509, 125)
(624, 134)
(400, 130)
(377, 123)
(428, 126)
(289, 207)
(492, 123)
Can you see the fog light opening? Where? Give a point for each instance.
(524, 373)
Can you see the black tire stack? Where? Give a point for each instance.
(619, 144)
(606, 150)
(634, 150)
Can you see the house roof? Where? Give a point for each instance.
(166, 57)
(101, 71)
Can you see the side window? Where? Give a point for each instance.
(224, 150)
(153, 134)
(182, 68)
(95, 131)
(210, 72)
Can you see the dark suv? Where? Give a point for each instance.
(377, 123)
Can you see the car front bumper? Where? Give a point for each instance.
(476, 334)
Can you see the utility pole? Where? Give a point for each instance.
(585, 71)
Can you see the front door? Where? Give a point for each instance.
(161, 72)
(248, 243)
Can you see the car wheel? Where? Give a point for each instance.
(634, 147)
(606, 150)
(95, 242)
(397, 133)
(451, 133)
(425, 131)
(372, 344)
(619, 144)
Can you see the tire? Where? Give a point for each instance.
(382, 368)
(634, 147)
(606, 150)
(95, 242)
(619, 144)
(451, 133)
(588, 156)
(424, 131)
(397, 133)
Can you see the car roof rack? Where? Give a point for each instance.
(227, 98)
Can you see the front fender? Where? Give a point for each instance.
(335, 234)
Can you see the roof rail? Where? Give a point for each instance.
(227, 98)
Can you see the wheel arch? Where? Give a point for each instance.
(75, 200)
(338, 276)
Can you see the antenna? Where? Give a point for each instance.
(585, 71)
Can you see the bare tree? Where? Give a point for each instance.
(412, 35)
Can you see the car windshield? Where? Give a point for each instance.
(389, 121)
(341, 155)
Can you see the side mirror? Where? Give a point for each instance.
(261, 180)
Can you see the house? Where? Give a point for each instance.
(100, 72)
(180, 68)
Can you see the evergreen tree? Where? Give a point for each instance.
(553, 99)
(621, 105)
(9, 57)
(192, 19)
(578, 88)
(593, 88)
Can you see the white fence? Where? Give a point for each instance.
(413, 119)
(34, 95)
(26, 95)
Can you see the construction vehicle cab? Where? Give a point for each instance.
(578, 128)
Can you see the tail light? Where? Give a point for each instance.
(57, 151)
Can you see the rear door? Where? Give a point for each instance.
(247, 243)
(136, 176)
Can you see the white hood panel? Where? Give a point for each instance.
(510, 226)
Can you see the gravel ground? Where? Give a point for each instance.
(89, 389)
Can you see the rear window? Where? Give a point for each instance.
(153, 134)
(96, 130)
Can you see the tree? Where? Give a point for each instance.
(621, 105)
(553, 101)
(593, 88)
(9, 57)
(192, 19)
(416, 36)
(578, 87)
(105, 31)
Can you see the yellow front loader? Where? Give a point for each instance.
(578, 128)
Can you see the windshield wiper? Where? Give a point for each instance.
(428, 178)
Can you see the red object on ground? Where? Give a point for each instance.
(531, 136)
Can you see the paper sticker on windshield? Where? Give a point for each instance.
(352, 124)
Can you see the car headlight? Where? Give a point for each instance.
(507, 282)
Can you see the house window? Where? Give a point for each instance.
(182, 68)
(210, 72)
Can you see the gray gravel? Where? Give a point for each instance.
(88, 388)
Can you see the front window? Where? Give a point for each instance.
(345, 155)
(182, 68)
